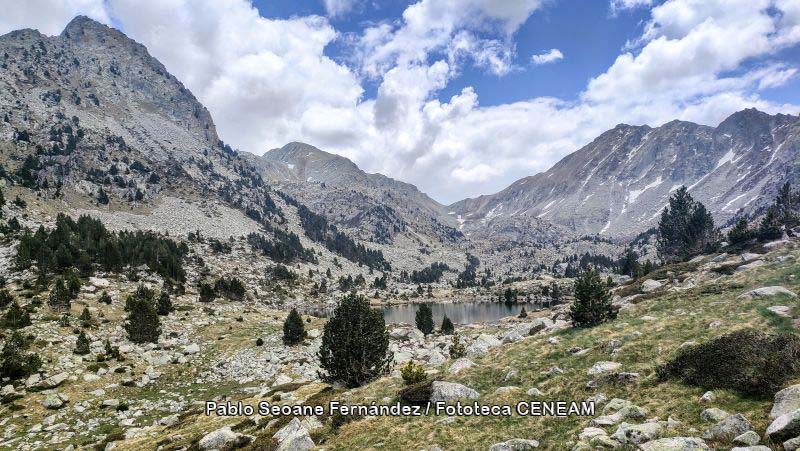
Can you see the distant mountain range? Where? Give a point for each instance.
(618, 184)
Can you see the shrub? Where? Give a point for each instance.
(14, 362)
(457, 349)
(105, 298)
(5, 298)
(355, 344)
(293, 329)
(418, 394)
(207, 293)
(259, 341)
(447, 326)
(523, 313)
(592, 304)
(143, 325)
(424, 319)
(86, 315)
(164, 304)
(16, 317)
(746, 361)
(413, 374)
(82, 345)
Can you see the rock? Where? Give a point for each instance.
(603, 368)
(749, 256)
(791, 444)
(751, 265)
(589, 433)
(282, 379)
(751, 448)
(786, 401)
(436, 358)
(749, 438)
(481, 346)
(451, 391)
(460, 364)
(708, 396)
(675, 444)
(553, 371)
(781, 310)
(99, 282)
(714, 415)
(415, 335)
(512, 336)
(54, 401)
(727, 429)
(110, 402)
(170, 420)
(504, 390)
(785, 427)
(53, 381)
(293, 437)
(764, 292)
(219, 439)
(515, 444)
(637, 433)
(534, 392)
(190, 349)
(650, 285)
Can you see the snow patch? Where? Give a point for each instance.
(633, 194)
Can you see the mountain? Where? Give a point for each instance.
(618, 184)
(373, 206)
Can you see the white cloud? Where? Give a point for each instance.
(337, 8)
(268, 82)
(549, 56)
(617, 5)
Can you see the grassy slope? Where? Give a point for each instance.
(679, 317)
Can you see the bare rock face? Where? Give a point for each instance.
(618, 184)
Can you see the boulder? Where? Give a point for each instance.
(460, 364)
(749, 438)
(675, 444)
(54, 401)
(515, 444)
(765, 292)
(751, 448)
(293, 437)
(786, 401)
(436, 358)
(53, 381)
(727, 429)
(600, 368)
(714, 415)
(785, 427)
(791, 444)
(781, 310)
(451, 391)
(751, 265)
(190, 349)
(512, 336)
(218, 439)
(650, 285)
(637, 433)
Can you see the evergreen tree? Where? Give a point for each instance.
(686, 228)
(59, 299)
(164, 304)
(207, 293)
(447, 326)
(741, 232)
(424, 319)
(82, 345)
(355, 344)
(14, 362)
(592, 304)
(5, 298)
(143, 325)
(787, 205)
(629, 264)
(523, 314)
(293, 329)
(16, 317)
(102, 197)
(86, 315)
(457, 349)
(771, 227)
(105, 298)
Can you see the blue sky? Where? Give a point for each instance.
(445, 94)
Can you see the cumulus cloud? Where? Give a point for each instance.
(549, 56)
(48, 16)
(268, 81)
(617, 5)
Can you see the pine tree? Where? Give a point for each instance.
(5, 298)
(16, 317)
(82, 345)
(164, 304)
(447, 326)
(105, 298)
(293, 329)
(86, 315)
(523, 314)
(629, 265)
(741, 232)
(424, 319)
(355, 344)
(143, 325)
(592, 304)
(457, 349)
(60, 298)
(787, 205)
(14, 363)
(686, 228)
(770, 227)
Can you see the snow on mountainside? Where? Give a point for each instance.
(618, 184)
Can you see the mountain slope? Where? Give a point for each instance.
(618, 184)
(374, 206)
